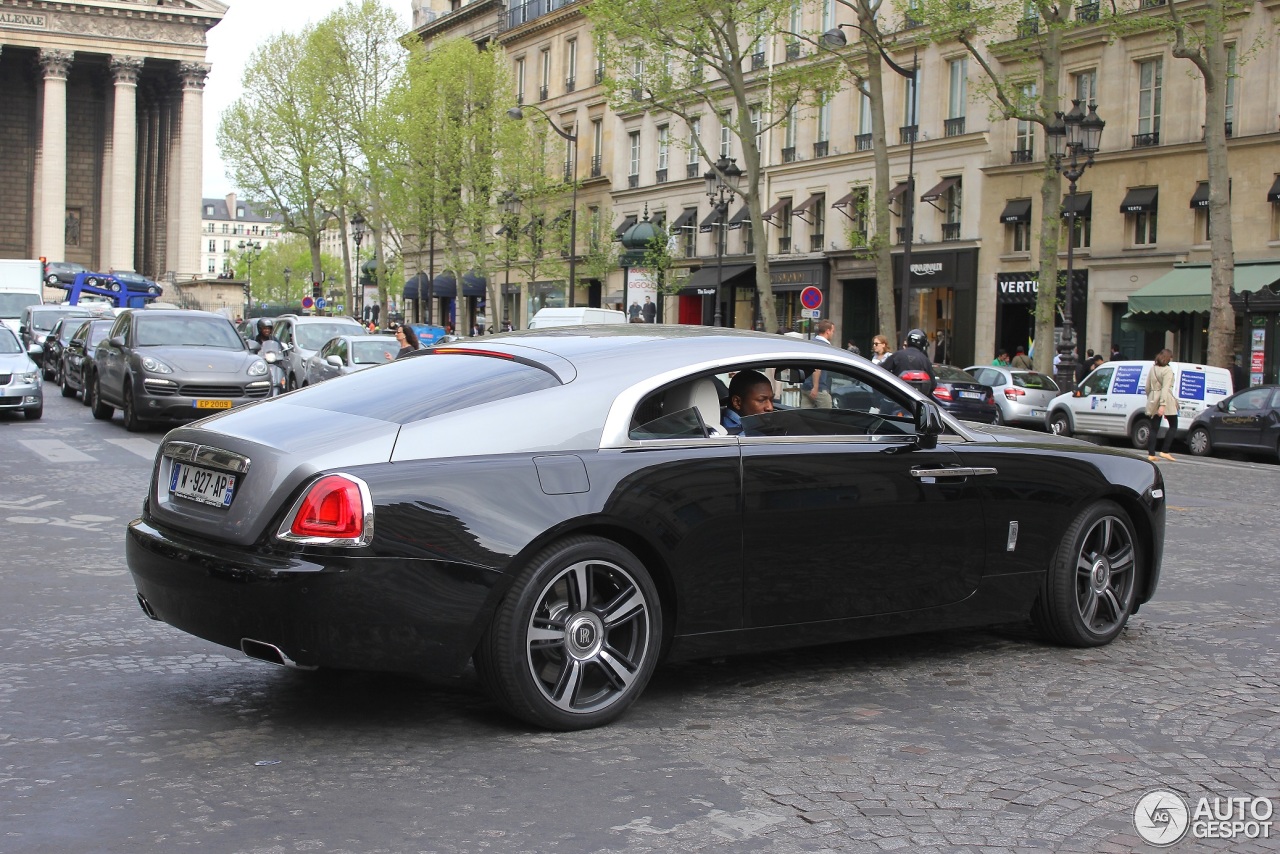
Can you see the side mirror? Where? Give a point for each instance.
(1076, 392)
(336, 361)
(117, 340)
(254, 346)
(928, 420)
(1221, 406)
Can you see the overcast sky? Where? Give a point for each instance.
(248, 24)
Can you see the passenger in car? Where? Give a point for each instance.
(750, 393)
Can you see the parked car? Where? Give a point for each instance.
(173, 365)
(555, 507)
(38, 320)
(20, 386)
(1022, 397)
(1248, 421)
(960, 393)
(55, 343)
(302, 335)
(124, 280)
(77, 357)
(347, 354)
(62, 274)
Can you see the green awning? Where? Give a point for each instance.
(1186, 289)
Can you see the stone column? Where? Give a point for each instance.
(51, 236)
(124, 163)
(190, 168)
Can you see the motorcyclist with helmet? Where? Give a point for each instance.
(266, 330)
(912, 357)
(271, 352)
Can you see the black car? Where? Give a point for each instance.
(77, 357)
(55, 343)
(1247, 421)
(963, 396)
(562, 507)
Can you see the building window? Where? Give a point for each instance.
(789, 136)
(664, 147)
(911, 102)
(520, 80)
(951, 207)
(571, 65)
(726, 133)
(208, 210)
(1150, 83)
(1232, 72)
(784, 227)
(757, 123)
(213, 246)
(1025, 135)
(633, 173)
(226, 228)
(1086, 86)
(1020, 237)
(818, 230)
(958, 91)
(824, 122)
(1144, 228)
(544, 88)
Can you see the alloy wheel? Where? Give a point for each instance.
(1105, 574)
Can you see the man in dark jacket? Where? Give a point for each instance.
(912, 357)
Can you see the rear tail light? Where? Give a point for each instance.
(1013, 393)
(335, 510)
(942, 392)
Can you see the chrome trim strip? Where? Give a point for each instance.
(190, 452)
(952, 472)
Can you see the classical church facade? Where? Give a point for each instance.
(101, 126)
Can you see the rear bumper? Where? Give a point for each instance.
(362, 613)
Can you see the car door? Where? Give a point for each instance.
(113, 359)
(1090, 408)
(1241, 425)
(847, 514)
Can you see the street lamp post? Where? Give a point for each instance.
(723, 182)
(517, 114)
(358, 230)
(835, 38)
(1070, 137)
(510, 215)
(250, 250)
(288, 273)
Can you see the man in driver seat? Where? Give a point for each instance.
(750, 393)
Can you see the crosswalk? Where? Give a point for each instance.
(59, 451)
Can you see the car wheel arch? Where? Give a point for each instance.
(1065, 413)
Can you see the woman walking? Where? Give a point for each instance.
(1162, 405)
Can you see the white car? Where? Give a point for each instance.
(300, 336)
(347, 354)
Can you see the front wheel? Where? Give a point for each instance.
(1090, 588)
(1141, 433)
(1060, 424)
(1198, 442)
(35, 414)
(576, 638)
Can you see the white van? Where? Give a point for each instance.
(547, 317)
(1112, 400)
(20, 286)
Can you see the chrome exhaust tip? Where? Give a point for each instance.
(146, 607)
(270, 653)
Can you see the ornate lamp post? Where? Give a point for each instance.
(250, 251)
(571, 170)
(510, 215)
(1071, 137)
(723, 182)
(359, 228)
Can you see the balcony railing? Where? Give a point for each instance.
(1146, 140)
(1228, 129)
(544, 92)
(954, 127)
(1028, 27)
(793, 51)
(950, 231)
(690, 250)
(633, 181)
(660, 177)
(570, 83)
(908, 133)
(816, 242)
(526, 12)
(757, 61)
(862, 142)
(1021, 155)
(784, 245)
(599, 76)
(820, 148)
(1087, 13)
(596, 165)
(1147, 4)
(789, 154)
(692, 170)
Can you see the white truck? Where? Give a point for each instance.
(20, 286)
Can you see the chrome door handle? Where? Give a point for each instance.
(952, 472)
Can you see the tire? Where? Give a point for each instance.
(52, 280)
(45, 373)
(114, 286)
(92, 281)
(1140, 433)
(34, 414)
(101, 411)
(999, 419)
(290, 383)
(1091, 586)
(1198, 442)
(560, 660)
(1060, 423)
(132, 422)
(67, 390)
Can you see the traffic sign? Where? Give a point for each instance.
(308, 302)
(811, 297)
(340, 308)
(320, 303)
(811, 313)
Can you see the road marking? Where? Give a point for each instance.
(33, 502)
(145, 448)
(56, 451)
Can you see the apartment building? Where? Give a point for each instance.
(975, 243)
(226, 223)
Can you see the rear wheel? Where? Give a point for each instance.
(1141, 433)
(1198, 442)
(999, 419)
(576, 638)
(101, 411)
(1060, 424)
(1091, 585)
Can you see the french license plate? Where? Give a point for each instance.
(211, 404)
(971, 395)
(203, 485)
(1037, 412)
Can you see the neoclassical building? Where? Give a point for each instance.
(101, 124)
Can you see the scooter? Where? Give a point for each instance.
(273, 355)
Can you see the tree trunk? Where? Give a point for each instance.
(1222, 270)
(888, 315)
(1050, 216)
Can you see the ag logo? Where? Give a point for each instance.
(1161, 818)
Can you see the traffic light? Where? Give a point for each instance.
(315, 290)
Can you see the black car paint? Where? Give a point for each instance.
(1253, 429)
(77, 359)
(450, 535)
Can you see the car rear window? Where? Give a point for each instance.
(1032, 380)
(946, 372)
(45, 320)
(427, 385)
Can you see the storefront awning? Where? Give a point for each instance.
(940, 189)
(1273, 195)
(740, 218)
(848, 198)
(711, 221)
(1081, 205)
(622, 229)
(807, 205)
(1186, 289)
(1016, 210)
(685, 219)
(776, 209)
(898, 191)
(705, 278)
(659, 219)
(1200, 198)
(415, 287)
(1140, 200)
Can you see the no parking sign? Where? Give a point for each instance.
(811, 298)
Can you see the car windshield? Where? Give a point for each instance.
(11, 304)
(311, 336)
(1032, 380)
(947, 372)
(188, 332)
(8, 343)
(372, 352)
(46, 320)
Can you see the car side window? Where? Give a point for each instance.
(1098, 382)
(341, 350)
(284, 333)
(1252, 399)
(846, 403)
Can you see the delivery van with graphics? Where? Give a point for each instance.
(1112, 400)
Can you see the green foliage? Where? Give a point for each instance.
(269, 285)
